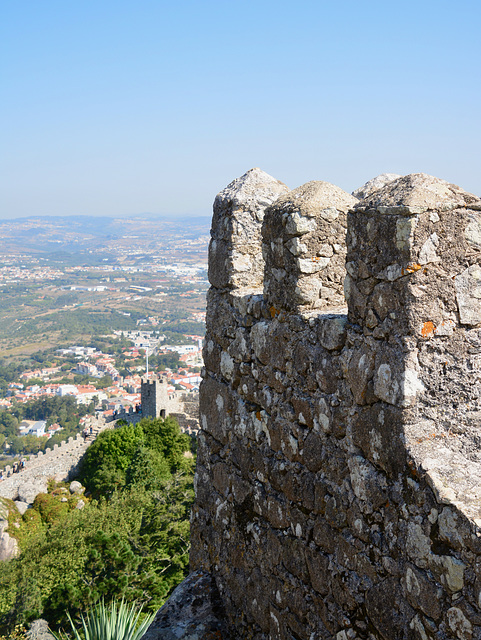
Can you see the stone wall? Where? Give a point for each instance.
(60, 462)
(339, 471)
(184, 407)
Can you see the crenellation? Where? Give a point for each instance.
(304, 248)
(338, 483)
(235, 256)
(60, 462)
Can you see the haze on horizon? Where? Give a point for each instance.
(117, 108)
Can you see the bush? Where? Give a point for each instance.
(150, 442)
(133, 544)
(50, 508)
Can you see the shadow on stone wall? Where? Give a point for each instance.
(338, 477)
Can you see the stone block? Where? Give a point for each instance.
(422, 593)
(235, 256)
(298, 228)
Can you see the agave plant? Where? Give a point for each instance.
(117, 621)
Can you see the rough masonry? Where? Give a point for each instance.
(338, 481)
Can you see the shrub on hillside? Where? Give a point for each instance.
(152, 447)
(131, 543)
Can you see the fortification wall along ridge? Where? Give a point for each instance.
(60, 462)
(339, 465)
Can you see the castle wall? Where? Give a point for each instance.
(61, 462)
(338, 476)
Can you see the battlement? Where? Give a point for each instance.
(155, 398)
(157, 402)
(60, 462)
(339, 469)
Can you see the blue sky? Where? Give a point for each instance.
(121, 107)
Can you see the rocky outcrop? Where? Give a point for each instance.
(76, 487)
(30, 488)
(339, 468)
(193, 612)
(39, 630)
(8, 544)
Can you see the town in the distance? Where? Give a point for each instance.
(90, 307)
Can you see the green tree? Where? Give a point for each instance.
(34, 381)
(8, 424)
(108, 457)
(148, 469)
(132, 543)
(164, 435)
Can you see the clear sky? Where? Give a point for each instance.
(116, 107)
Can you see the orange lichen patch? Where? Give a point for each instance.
(428, 329)
(433, 436)
(411, 268)
(273, 311)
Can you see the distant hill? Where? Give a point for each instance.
(74, 234)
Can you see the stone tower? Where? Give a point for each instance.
(154, 398)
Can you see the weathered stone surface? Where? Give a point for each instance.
(193, 612)
(422, 593)
(374, 184)
(39, 630)
(338, 486)
(76, 487)
(303, 245)
(459, 624)
(234, 258)
(8, 545)
(417, 193)
(21, 506)
(386, 610)
(468, 295)
(332, 331)
(28, 490)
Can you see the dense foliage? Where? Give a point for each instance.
(130, 540)
(61, 409)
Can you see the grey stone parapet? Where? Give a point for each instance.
(304, 244)
(413, 287)
(338, 483)
(235, 254)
